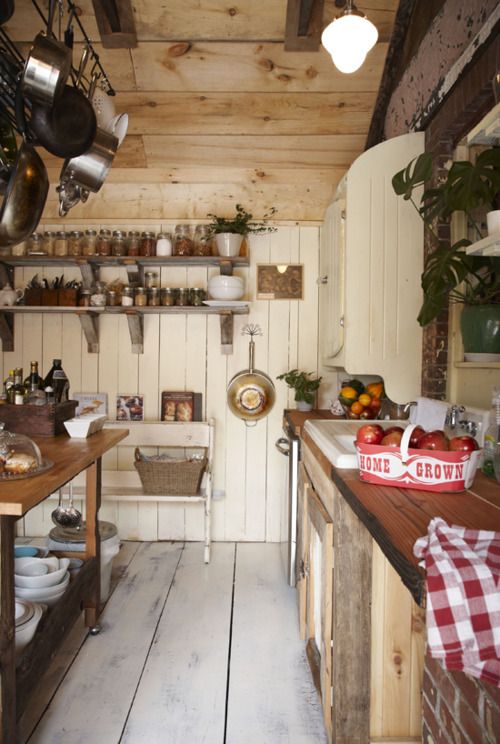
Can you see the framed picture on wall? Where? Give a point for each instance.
(280, 281)
(181, 406)
(91, 403)
(130, 407)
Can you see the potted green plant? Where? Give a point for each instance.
(230, 231)
(450, 274)
(305, 386)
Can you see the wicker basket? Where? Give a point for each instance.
(170, 477)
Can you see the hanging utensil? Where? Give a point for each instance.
(67, 516)
(251, 393)
(90, 169)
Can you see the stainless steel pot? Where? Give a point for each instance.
(90, 169)
(251, 394)
(24, 198)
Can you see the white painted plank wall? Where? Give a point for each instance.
(182, 352)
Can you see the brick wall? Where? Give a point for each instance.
(457, 709)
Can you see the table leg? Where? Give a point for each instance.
(92, 539)
(8, 734)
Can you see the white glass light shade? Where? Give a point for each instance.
(348, 40)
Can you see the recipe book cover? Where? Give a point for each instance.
(180, 406)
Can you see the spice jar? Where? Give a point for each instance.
(75, 243)
(98, 296)
(35, 244)
(182, 298)
(19, 249)
(84, 299)
(104, 243)
(202, 241)
(49, 242)
(141, 299)
(163, 244)
(183, 244)
(147, 245)
(197, 296)
(168, 296)
(89, 243)
(127, 296)
(133, 243)
(153, 296)
(118, 245)
(61, 244)
(150, 279)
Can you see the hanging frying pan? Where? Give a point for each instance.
(251, 393)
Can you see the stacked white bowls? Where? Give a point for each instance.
(28, 615)
(228, 288)
(41, 579)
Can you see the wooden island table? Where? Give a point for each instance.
(19, 674)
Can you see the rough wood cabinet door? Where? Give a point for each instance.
(302, 554)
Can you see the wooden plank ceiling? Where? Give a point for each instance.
(220, 113)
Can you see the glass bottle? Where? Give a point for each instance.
(118, 245)
(148, 244)
(141, 299)
(133, 242)
(127, 296)
(61, 244)
(111, 298)
(163, 244)
(18, 389)
(8, 385)
(104, 243)
(75, 243)
(150, 279)
(33, 380)
(89, 243)
(35, 244)
(202, 241)
(58, 381)
(183, 243)
(49, 242)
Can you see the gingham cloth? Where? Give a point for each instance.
(463, 598)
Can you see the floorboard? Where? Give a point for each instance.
(272, 699)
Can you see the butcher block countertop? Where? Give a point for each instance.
(396, 517)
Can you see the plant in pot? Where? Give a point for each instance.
(450, 274)
(305, 386)
(230, 231)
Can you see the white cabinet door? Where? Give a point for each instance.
(383, 261)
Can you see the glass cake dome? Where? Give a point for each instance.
(19, 455)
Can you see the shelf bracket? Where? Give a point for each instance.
(226, 268)
(89, 324)
(89, 274)
(136, 330)
(6, 275)
(226, 332)
(7, 331)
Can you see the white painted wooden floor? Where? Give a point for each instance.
(188, 653)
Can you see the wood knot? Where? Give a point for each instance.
(203, 98)
(260, 174)
(152, 104)
(285, 78)
(266, 64)
(177, 50)
(311, 72)
(266, 118)
(232, 11)
(341, 104)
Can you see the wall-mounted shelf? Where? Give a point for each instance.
(89, 321)
(489, 246)
(478, 365)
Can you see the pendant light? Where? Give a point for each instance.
(349, 38)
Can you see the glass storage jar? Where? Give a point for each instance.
(141, 298)
(168, 296)
(198, 294)
(98, 296)
(89, 243)
(84, 299)
(104, 243)
(202, 241)
(19, 249)
(147, 245)
(127, 296)
(61, 244)
(163, 244)
(182, 298)
(49, 242)
(35, 244)
(183, 243)
(153, 296)
(75, 243)
(150, 279)
(133, 242)
(118, 245)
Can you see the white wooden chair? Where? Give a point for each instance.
(186, 435)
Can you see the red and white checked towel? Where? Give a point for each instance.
(463, 598)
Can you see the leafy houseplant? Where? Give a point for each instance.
(304, 384)
(229, 232)
(449, 273)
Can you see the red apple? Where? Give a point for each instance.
(463, 444)
(393, 439)
(370, 434)
(375, 405)
(415, 436)
(433, 440)
(367, 414)
(390, 429)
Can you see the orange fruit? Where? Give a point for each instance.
(365, 399)
(357, 407)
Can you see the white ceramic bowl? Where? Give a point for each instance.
(226, 287)
(49, 594)
(53, 576)
(33, 569)
(26, 631)
(83, 426)
(20, 563)
(24, 611)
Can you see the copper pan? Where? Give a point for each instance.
(251, 393)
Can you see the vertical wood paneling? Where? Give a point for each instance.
(183, 353)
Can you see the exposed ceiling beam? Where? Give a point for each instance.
(115, 21)
(304, 24)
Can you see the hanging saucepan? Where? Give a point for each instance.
(90, 169)
(251, 393)
(24, 198)
(47, 67)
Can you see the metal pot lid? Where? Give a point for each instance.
(77, 535)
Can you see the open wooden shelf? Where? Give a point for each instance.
(489, 246)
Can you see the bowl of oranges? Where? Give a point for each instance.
(361, 401)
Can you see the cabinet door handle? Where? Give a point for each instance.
(322, 279)
(341, 321)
